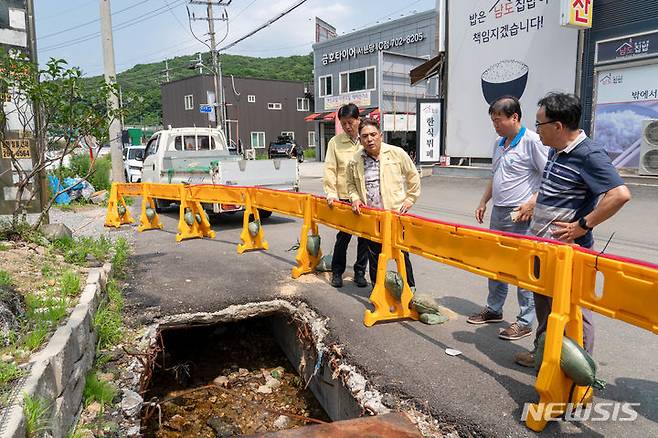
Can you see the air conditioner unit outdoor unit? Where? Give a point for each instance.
(649, 148)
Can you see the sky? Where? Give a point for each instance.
(148, 31)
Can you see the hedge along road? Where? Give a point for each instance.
(480, 391)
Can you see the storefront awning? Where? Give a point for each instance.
(427, 69)
(312, 117)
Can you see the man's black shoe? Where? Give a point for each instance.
(336, 280)
(360, 279)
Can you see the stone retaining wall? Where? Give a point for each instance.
(57, 372)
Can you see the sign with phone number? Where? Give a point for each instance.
(19, 148)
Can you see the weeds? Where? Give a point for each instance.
(115, 295)
(5, 278)
(35, 410)
(76, 250)
(35, 337)
(121, 251)
(3, 246)
(108, 325)
(97, 390)
(69, 283)
(9, 372)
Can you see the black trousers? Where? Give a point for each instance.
(374, 248)
(543, 306)
(339, 258)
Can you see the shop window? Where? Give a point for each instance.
(311, 139)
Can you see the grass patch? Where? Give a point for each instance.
(76, 250)
(35, 337)
(3, 246)
(97, 390)
(69, 283)
(109, 326)
(5, 278)
(35, 410)
(9, 372)
(120, 257)
(115, 295)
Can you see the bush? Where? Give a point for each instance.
(79, 166)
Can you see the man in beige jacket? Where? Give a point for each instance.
(381, 176)
(340, 150)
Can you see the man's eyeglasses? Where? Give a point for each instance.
(537, 124)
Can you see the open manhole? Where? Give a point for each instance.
(216, 375)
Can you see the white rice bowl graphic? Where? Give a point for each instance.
(507, 77)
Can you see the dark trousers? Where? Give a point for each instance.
(374, 249)
(543, 305)
(339, 257)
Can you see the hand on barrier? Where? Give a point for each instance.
(356, 206)
(479, 212)
(406, 205)
(330, 201)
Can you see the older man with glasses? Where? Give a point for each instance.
(579, 190)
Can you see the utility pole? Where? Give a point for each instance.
(39, 136)
(220, 109)
(113, 101)
(166, 71)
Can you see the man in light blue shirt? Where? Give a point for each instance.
(518, 160)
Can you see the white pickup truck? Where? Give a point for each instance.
(200, 156)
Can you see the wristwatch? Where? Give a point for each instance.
(582, 223)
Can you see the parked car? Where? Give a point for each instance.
(285, 146)
(133, 163)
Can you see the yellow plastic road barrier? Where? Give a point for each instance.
(387, 308)
(524, 262)
(279, 201)
(627, 289)
(193, 221)
(144, 222)
(341, 217)
(612, 286)
(552, 384)
(306, 262)
(249, 242)
(117, 211)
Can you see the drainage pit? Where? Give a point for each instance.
(250, 376)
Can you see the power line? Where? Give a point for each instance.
(264, 25)
(66, 11)
(139, 19)
(78, 26)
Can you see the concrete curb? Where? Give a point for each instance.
(57, 372)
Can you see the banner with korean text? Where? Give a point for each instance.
(497, 48)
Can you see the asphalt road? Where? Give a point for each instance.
(482, 391)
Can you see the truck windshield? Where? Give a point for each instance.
(136, 154)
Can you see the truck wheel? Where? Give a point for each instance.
(161, 205)
(264, 214)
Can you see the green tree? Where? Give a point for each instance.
(72, 117)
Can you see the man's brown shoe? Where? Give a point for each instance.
(486, 315)
(525, 358)
(515, 331)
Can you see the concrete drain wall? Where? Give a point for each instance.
(300, 333)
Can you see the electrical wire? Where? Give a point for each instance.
(263, 26)
(78, 26)
(139, 19)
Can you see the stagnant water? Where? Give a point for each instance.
(252, 384)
